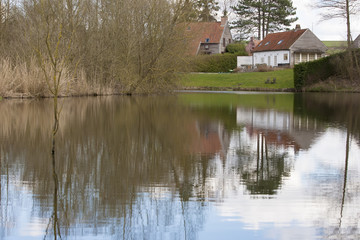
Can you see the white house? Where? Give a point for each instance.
(288, 48)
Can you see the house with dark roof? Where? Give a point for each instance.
(208, 37)
(288, 48)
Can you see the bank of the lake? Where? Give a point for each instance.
(256, 81)
(334, 84)
(259, 81)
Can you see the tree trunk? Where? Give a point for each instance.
(348, 24)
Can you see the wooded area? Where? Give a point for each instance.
(90, 46)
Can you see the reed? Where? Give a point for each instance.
(26, 80)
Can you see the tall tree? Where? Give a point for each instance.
(263, 16)
(207, 10)
(339, 9)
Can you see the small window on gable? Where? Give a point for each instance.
(279, 42)
(267, 43)
(207, 40)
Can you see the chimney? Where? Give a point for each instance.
(297, 27)
(223, 21)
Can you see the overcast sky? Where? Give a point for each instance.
(334, 29)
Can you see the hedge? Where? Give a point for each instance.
(309, 73)
(312, 72)
(213, 63)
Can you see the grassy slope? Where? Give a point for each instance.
(335, 43)
(284, 79)
(335, 46)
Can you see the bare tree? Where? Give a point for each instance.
(339, 9)
(117, 46)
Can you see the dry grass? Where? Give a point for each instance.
(335, 84)
(27, 80)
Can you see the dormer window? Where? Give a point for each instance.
(267, 43)
(279, 42)
(207, 40)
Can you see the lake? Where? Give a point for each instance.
(194, 165)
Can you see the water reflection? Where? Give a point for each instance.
(170, 167)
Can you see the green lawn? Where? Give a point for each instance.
(335, 46)
(249, 80)
(331, 44)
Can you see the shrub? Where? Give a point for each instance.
(300, 71)
(345, 65)
(309, 73)
(237, 49)
(213, 63)
(263, 68)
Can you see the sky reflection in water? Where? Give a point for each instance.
(191, 166)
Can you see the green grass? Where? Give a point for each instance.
(335, 44)
(249, 80)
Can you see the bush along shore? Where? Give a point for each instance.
(338, 72)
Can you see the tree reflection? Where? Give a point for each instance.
(270, 168)
(117, 157)
(54, 221)
(338, 110)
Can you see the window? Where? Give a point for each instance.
(207, 40)
(279, 42)
(206, 47)
(267, 43)
(224, 43)
(286, 57)
(262, 60)
(260, 44)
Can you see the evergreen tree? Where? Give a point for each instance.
(207, 10)
(263, 16)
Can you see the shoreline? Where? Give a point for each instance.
(312, 89)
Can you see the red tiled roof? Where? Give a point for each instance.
(279, 41)
(199, 32)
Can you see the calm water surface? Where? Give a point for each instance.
(190, 166)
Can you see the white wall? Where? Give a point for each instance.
(244, 61)
(271, 58)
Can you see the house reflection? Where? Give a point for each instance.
(280, 128)
(273, 137)
(209, 138)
